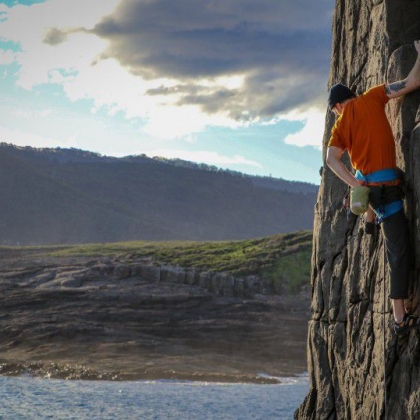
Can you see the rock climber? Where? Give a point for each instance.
(363, 129)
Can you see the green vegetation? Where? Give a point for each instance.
(290, 272)
(284, 259)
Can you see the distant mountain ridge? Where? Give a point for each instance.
(53, 196)
(82, 156)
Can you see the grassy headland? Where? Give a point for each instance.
(74, 312)
(284, 259)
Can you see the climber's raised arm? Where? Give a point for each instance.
(410, 83)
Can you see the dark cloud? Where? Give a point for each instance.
(54, 36)
(281, 46)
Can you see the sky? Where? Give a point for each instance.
(238, 84)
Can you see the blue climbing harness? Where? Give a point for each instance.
(384, 177)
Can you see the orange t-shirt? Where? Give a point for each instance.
(364, 130)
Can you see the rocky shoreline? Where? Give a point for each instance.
(127, 319)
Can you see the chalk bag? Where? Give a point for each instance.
(359, 199)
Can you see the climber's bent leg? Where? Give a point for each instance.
(396, 236)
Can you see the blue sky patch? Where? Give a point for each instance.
(11, 3)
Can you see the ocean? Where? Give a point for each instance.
(26, 397)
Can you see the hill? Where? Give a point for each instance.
(65, 196)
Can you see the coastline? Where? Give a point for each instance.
(80, 318)
(80, 373)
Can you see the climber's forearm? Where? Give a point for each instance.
(410, 83)
(335, 164)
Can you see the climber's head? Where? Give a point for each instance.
(337, 95)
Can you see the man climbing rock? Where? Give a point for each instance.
(362, 128)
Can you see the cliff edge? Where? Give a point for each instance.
(358, 368)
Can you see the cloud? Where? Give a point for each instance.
(210, 158)
(54, 36)
(29, 26)
(311, 133)
(179, 66)
(25, 138)
(7, 57)
(281, 49)
(22, 113)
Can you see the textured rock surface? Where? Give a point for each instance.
(351, 348)
(111, 318)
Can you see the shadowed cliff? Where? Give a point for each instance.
(355, 361)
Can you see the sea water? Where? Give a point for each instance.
(32, 398)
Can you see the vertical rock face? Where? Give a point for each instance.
(357, 367)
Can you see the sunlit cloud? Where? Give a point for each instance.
(208, 70)
(22, 113)
(7, 57)
(311, 133)
(25, 138)
(211, 158)
(276, 49)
